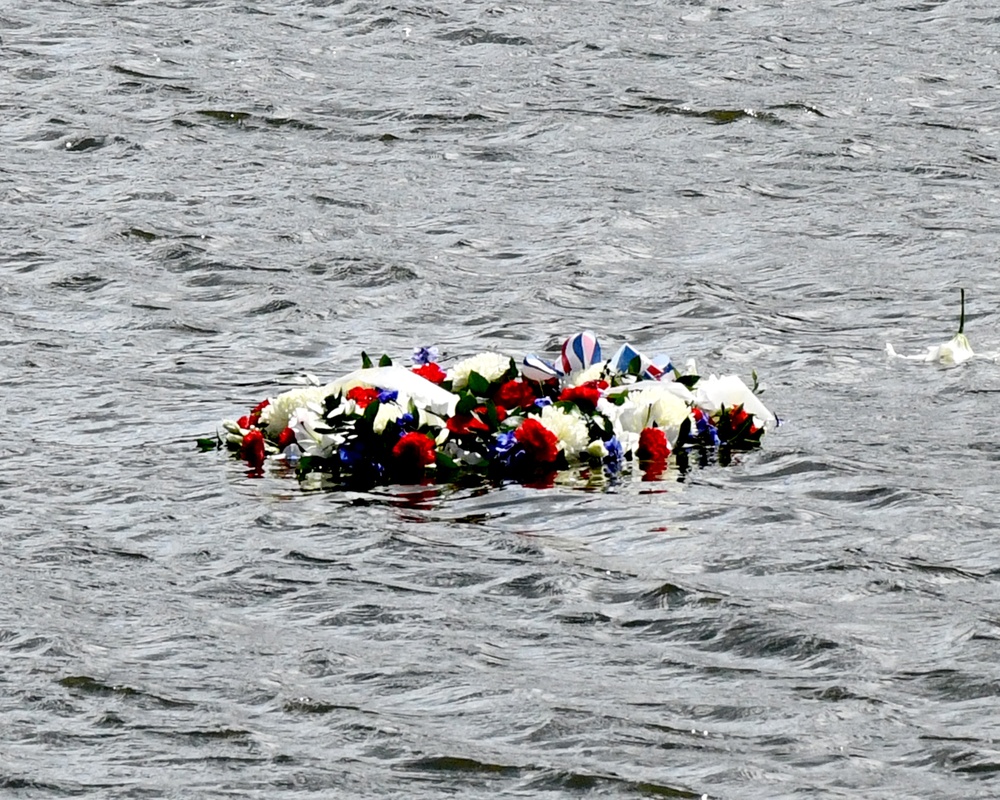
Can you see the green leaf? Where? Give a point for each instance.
(684, 433)
(445, 462)
(366, 362)
(492, 418)
(634, 366)
(511, 372)
(385, 361)
(466, 403)
(478, 385)
(207, 443)
(306, 465)
(371, 410)
(689, 380)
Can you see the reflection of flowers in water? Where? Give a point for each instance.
(486, 418)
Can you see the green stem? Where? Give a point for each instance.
(961, 319)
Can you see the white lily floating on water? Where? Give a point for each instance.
(955, 351)
(950, 354)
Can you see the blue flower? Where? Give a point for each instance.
(387, 395)
(359, 463)
(504, 442)
(424, 355)
(613, 460)
(351, 453)
(541, 402)
(707, 431)
(505, 450)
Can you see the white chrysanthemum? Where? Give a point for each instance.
(644, 408)
(569, 427)
(591, 373)
(275, 416)
(490, 365)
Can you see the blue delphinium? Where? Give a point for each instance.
(404, 421)
(706, 430)
(387, 395)
(424, 355)
(351, 453)
(613, 460)
(358, 463)
(505, 450)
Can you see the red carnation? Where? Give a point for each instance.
(585, 396)
(411, 454)
(285, 438)
(466, 423)
(653, 445)
(252, 449)
(431, 372)
(539, 442)
(514, 394)
(245, 422)
(362, 396)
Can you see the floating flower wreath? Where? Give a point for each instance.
(489, 418)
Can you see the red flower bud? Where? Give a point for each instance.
(252, 449)
(285, 438)
(466, 423)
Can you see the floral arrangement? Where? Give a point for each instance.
(488, 417)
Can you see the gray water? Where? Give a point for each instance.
(200, 200)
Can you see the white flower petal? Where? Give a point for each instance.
(490, 365)
(950, 354)
(569, 427)
(714, 392)
(275, 415)
(410, 386)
